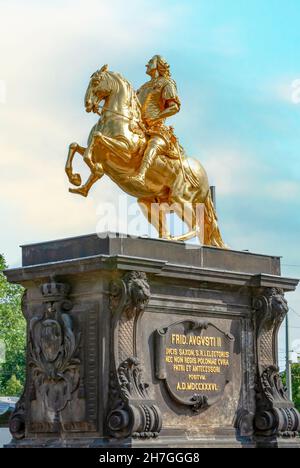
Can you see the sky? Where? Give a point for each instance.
(236, 64)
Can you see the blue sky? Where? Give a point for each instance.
(234, 62)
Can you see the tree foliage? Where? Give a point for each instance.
(295, 384)
(12, 334)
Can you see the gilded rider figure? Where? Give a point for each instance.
(159, 100)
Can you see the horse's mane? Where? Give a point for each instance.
(136, 106)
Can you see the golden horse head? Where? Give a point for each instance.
(97, 90)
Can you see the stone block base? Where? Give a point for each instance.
(149, 343)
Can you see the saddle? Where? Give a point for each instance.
(167, 133)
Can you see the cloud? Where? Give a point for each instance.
(48, 51)
(37, 34)
(227, 40)
(39, 202)
(283, 190)
(283, 89)
(230, 171)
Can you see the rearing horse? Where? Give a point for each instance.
(115, 147)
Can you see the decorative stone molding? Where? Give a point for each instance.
(17, 420)
(275, 413)
(53, 376)
(132, 412)
(53, 352)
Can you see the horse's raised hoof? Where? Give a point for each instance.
(75, 179)
(80, 191)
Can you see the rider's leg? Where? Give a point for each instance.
(154, 147)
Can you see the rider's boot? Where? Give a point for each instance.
(148, 159)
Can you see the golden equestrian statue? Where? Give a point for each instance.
(133, 146)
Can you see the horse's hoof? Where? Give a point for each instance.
(75, 179)
(82, 192)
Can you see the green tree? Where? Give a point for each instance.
(12, 334)
(295, 383)
(13, 386)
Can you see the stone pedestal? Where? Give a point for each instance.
(150, 343)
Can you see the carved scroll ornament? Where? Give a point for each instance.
(275, 415)
(132, 411)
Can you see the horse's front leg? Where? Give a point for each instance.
(84, 190)
(95, 168)
(74, 148)
(96, 171)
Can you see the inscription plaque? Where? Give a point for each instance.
(194, 358)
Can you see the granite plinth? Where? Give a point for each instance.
(148, 343)
(154, 249)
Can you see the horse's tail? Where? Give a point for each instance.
(206, 228)
(190, 173)
(212, 234)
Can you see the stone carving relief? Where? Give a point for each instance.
(17, 420)
(275, 413)
(132, 412)
(54, 361)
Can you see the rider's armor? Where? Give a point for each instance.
(154, 97)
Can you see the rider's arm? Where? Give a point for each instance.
(172, 107)
(171, 102)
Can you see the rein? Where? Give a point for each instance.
(131, 110)
(119, 113)
(115, 112)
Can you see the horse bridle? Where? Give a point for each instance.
(115, 112)
(119, 113)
